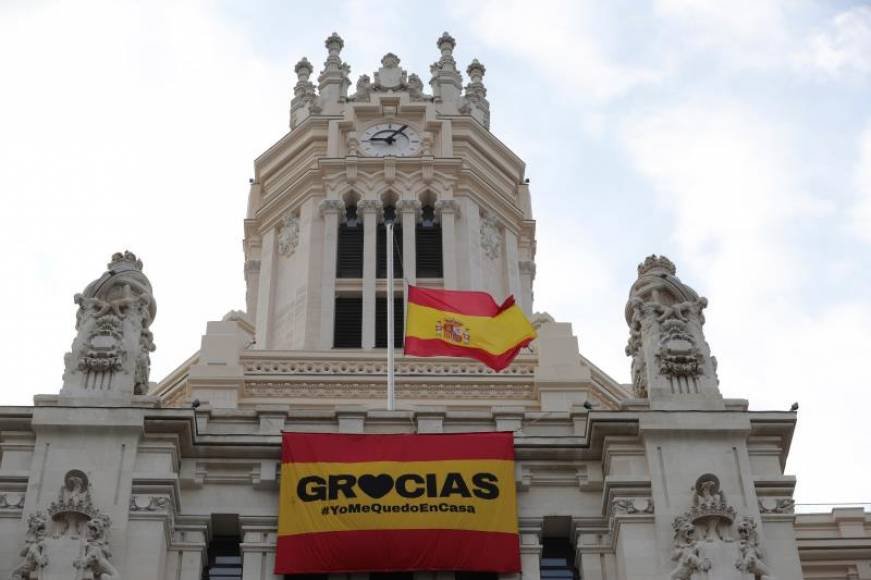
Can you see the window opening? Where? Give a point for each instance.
(381, 321)
(225, 559)
(558, 559)
(349, 262)
(428, 245)
(348, 325)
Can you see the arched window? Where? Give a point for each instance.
(428, 245)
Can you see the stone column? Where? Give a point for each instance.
(264, 291)
(252, 286)
(527, 275)
(446, 209)
(370, 210)
(472, 251)
(187, 552)
(258, 548)
(408, 210)
(330, 209)
(530, 551)
(512, 265)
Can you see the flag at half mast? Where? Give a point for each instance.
(465, 324)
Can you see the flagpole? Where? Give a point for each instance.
(391, 395)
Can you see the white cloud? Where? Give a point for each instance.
(843, 45)
(746, 33)
(558, 39)
(124, 126)
(861, 211)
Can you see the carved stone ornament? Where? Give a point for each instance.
(778, 506)
(331, 206)
(702, 541)
(632, 506)
(749, 554)
(390, 77)
(111, 352)
(34, 554)
(11, 501)
(666, 337)
(491, 237)
(364, 89)
(288, 235)
(686, 551)
(72, 542)
(149, 503)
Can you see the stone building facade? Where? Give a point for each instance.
(115, 477)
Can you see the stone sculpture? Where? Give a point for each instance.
(666, 339)
(94, 562)
(749, 554)
(110, 354)
(73, 507)
(686, 552)
(34, 552)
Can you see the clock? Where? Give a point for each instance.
(394, 138)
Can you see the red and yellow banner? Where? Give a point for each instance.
(468, 324)
(381, 503)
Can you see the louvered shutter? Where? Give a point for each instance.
(349, 263)
(381, 322)
(348, 327)
(428, 249)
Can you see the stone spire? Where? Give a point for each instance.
(305, 97)
(333, 81)
(110, 354)
(671, 362)
(476, 94)
(446, 81)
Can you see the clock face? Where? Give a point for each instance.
(394, 138)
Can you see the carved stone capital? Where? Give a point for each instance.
(252, 266)
(404, 206)
(447, 206)
(527, 267)
(335, 206)
(369, 206)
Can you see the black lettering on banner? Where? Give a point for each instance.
(311, 488)
(485, 487)
(402, 485)
(431, 485)
(343, 483)
(455, 484)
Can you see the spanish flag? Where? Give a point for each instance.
(462, 323)
(397, 502)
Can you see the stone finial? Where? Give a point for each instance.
(475, 98)
(446, 44)
(446, 81)
(671, 360)
(333, 81)
(334, 44)
(303, 70)
(305, 97)
(476, 71)
(110, 354)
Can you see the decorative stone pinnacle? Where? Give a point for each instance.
(390, 60)
(303, 69)
(334, 43)
(656, 264)
(446, 43)
(476, 69)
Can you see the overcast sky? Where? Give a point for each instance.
(733, 137)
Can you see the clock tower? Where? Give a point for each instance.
(315, 241)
